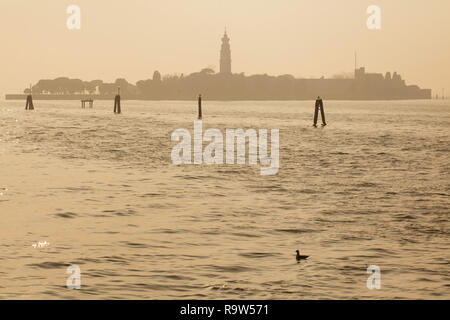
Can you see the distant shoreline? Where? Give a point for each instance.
(137, 98)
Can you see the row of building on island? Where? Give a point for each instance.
(226, 85)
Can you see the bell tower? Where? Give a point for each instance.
(225, 55)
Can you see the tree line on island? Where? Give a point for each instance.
(171, 86)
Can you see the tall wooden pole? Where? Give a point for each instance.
(117, 108)
(200, 107)
(322, 113)
(29, 104)
(316, 112)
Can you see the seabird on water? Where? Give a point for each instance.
(299, 257)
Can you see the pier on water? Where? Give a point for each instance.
(89, 101)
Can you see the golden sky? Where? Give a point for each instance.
(306, 38)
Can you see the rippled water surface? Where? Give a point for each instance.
(372, 188)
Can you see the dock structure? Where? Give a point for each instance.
(84, 101)
(29, 104)
(319, 106)
(199, 107)
(117, 109)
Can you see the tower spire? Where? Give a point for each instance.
(225, 55)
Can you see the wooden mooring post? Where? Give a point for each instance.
(319, 106)
(117, 108)
(29, 104)
(200, 107)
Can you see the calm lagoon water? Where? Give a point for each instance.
(371, 188)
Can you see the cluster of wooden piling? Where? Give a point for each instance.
(117, 109)
(319, 106)
(200, 107)
(90, 101)
(29, 104)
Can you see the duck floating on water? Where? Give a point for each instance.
(300, 257)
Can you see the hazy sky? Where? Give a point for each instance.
(306, 38)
